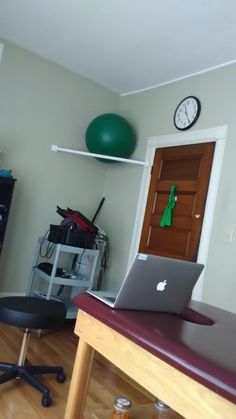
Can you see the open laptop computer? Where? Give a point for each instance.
(154, 283)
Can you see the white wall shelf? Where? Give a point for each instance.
(55, 148)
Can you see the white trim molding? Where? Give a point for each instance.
(215, 134)
(1, 50)
(185, 77)
(11, 294)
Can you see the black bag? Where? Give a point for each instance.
(66, 234)
(47, 268)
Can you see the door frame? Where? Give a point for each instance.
(216, 134)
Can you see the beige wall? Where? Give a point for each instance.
(152, 112)
(42, 104)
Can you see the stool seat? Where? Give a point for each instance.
(32, 312)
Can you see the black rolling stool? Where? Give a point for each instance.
(31, 313)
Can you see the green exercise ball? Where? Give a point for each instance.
(110, 134)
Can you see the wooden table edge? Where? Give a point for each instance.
(185, 395)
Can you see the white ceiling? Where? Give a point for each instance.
(125, 45)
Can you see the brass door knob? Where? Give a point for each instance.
(197, 215)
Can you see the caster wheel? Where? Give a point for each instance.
(39, 333)
(61, 377)
(46, 401)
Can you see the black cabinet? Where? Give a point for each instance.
(6, 192)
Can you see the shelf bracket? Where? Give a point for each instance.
(55, 148)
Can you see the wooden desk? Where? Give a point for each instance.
(190, 366)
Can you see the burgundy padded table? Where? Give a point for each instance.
(187, 360)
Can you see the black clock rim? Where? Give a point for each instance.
(196, 116)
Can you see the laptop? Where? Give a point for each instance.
(154, 283)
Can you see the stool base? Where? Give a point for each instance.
(27, 372)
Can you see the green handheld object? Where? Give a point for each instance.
(166, 219)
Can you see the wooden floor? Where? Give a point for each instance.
(19, 400)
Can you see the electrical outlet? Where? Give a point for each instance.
(228, 236)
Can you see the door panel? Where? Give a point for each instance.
(189, 168)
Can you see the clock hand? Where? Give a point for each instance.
(186, 113)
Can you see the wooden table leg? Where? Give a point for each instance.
(79, 381)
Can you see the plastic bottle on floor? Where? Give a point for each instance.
(122, 408)
(161, 410)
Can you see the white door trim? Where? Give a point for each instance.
(217, 134)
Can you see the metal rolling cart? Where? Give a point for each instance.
(73, 281)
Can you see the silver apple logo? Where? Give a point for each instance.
(161, 285)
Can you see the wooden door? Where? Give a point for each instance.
(189, 167)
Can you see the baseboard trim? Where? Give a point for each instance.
(11, 294)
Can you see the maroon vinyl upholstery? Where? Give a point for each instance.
(201, 342)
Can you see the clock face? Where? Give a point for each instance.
(187, 113)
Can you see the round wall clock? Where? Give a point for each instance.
(187, 113)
